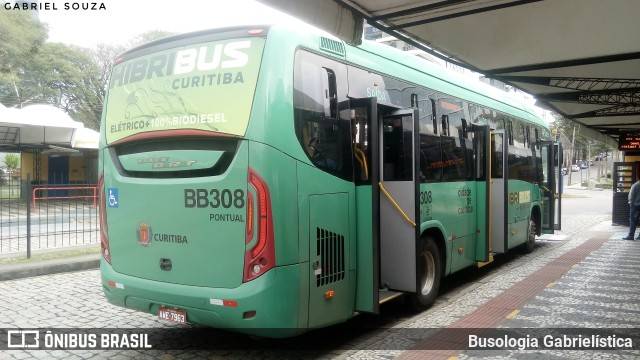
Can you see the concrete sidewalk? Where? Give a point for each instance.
(30, 268)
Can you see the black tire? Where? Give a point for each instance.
(430, 272)
(531, 241)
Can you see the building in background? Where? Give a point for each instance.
(53, 148)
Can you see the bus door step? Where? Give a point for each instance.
(387, 295)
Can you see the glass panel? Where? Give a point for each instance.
(497, 154)
(397, 135)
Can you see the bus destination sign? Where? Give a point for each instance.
(629, 142)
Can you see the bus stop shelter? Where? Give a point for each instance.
(580, 58)
(39, 132)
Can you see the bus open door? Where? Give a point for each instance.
(386, 245)
(551, 185)
(482, 151)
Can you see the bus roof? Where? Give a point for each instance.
(407, 63)
(415, 63)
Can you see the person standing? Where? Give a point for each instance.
(634, 210)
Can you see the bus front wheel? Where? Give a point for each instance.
(430, 272)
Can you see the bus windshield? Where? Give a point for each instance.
(203, 86)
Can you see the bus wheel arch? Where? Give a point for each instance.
(534, 229)
(431, 265)
(537, 219)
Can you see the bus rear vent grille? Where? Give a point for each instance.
(330, 248)
(332, 46)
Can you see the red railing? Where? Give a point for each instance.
(94, 189)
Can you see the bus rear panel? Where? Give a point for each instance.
(187, 214)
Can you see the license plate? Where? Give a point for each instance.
(172, 314)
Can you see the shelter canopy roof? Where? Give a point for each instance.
(579, 58)
(41, 127)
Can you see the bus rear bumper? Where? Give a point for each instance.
(267, 306)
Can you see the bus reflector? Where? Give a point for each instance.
(329, 294)
(115, 284)
(231, 303)
(260, 257)
(220, 302)
(249, 314)
(104, 229)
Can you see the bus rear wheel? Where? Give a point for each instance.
(531, 240)
(430, 272)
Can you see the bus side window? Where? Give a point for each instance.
(359, 142)
(321, 120)
(397, 153)
(510, 132)
(445, 125)
(429, 149)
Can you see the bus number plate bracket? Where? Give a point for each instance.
(172, 314)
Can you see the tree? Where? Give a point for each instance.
(576, 148)
(103, 57)
(64, 76)
(73, 79)
(21, 37)
(12, 162)
(33, 71)
(147, 37)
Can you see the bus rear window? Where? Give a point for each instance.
(206, 87)
(174, 157)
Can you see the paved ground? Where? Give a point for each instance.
(583, 279)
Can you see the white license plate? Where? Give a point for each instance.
(172, 314)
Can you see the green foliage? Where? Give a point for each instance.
(582, 146)
(11, 161)
(64, 76)
(33, 71)
(148, 36)
(21, 37)
(103, 57)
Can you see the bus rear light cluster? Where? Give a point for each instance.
(104, 229)
(259, 257)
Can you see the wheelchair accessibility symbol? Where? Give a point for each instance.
(112, 200)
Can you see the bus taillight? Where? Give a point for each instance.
(250, 212)
(260, 257)
(104, 239)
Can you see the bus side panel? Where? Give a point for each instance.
(365, 277)
(453, 204)
(279, 172)
(482, 239)
(518, 213)
(329, 243)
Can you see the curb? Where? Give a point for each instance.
(47, 267)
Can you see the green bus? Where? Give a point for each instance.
(261, 178)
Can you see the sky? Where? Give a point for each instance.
(124, 19)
